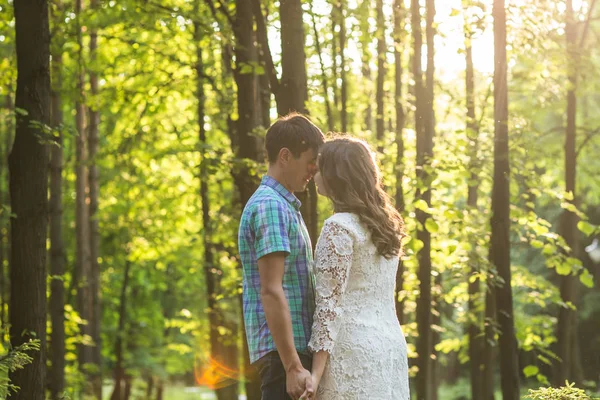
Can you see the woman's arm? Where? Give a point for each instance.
(333, 261)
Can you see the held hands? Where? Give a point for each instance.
(313, 395)
(299, 384)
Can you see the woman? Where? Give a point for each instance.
(358, 345)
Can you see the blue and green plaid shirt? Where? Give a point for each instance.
(271, 222)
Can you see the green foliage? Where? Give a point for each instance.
(568, 392)
(16, 358)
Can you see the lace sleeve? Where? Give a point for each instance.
(333, 260)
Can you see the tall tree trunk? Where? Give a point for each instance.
(245, 144)
(489, 339)
(4, 230)
(28, 172)
(566, 316)
(423, 317)
(344, 81)
(474, 322)
(429, 133)
(119, 372)
(94, 233)
(381, 60)
(364, 13)
(400, 121)
(5, 244)
(324, 83)
(294, 92)
(335, 25)
(82, 264)
(215, 317)
(57, 246)
(500, 221)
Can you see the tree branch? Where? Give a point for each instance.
(265, 51)
(222, 9)
(586, 140)
(587, 24)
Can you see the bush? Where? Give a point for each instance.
(568, 392)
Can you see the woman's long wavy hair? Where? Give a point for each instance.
(352, 180)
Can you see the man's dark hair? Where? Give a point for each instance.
(295, 132)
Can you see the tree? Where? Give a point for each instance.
(95, 312)
(82, 263)
(57, 246)
(293, 92)
(28, 163)
(500, 220)
(381, 60)
(219, 350)
(474, 323)
(400, 121)
(566, 326)
(423, 384)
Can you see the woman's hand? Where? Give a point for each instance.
(315, 386)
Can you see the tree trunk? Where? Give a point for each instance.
(344, 83)
(474, 323)
(489, 343)
(423, 380)
(399, 15)
(5, 243)
(160, 391)
(364, 23)
(94, 232)
(216, 318)
(119, 372)
(293, 59)
(245, 145)
(5, 129)
(429, 133)
(82, 264)
(293, 91)
(566, 316)
(381, 60)
(335, 25)
(28, 172)
(500, 221)
(57, 245)
(324, 83)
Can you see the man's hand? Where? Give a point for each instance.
(298, 382)
(315, 386)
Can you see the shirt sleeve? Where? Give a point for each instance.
(270, 226)
(333, 261)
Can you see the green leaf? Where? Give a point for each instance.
(537, 244)
(454, 12)
(530, 371)
(431, 225)
(21, 111)
(421, 205)
(586, 227)
(586, 278)
(563, 268)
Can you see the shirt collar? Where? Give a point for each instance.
(279, 188)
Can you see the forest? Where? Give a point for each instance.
(131, 137)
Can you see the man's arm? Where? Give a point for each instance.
(277, 312)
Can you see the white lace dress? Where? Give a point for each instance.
(355, 316)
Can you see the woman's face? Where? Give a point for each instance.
(320, 185)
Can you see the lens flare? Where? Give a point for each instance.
(214, 374)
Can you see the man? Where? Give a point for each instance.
(276, 255)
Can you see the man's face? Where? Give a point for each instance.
(301, 170)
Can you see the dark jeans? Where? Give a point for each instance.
(272, 375)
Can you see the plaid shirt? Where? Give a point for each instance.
(271, 222)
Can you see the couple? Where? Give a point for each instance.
(325, 329)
